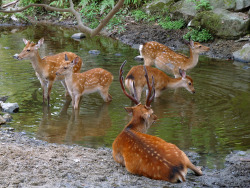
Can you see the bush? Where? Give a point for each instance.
(199, 36)
(168, 24)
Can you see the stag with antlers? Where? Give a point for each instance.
(144, 154)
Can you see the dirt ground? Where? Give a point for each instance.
(27, 162)
(136, 34)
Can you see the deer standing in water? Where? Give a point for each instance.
(169, 61)
(162, 81)
(144, 154)
(87, 82)
(46, 67)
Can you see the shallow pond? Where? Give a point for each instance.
(212, 122)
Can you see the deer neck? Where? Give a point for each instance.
(138, 125)
(37, 63)
(175, 83)
(69, 78)
(193, 59)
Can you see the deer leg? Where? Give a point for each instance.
(50, 83)
(77, 100)
(44, 86)
(138, 93)
(66, 88)
(105, 95)
(157, 93)
(148, 61)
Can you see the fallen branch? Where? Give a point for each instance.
(81, 26)
(10, 4)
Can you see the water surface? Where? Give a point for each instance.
(212, 122)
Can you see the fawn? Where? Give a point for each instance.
(144, 154)
(162, 81)
(166, 59)
(46, 67)
(87, 82)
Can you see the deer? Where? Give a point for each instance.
(155, 53)
(90, 81)
(47, 66)
(144, 154)
(162, 81)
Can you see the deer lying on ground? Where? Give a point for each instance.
(169, 61)
(87, 82)
(144, 154)
(162, 81)
(46, 67)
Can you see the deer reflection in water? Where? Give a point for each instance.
(75, 127)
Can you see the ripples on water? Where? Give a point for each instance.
(212, 122)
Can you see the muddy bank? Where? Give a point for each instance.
(136, 34)
(27, 162)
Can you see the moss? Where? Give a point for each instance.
(208, 20)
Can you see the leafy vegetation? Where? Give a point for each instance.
(202, 5)
(198, 35)
(60, 3)
(168, 24)
(94, 10)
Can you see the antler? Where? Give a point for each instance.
(151, 95)
(134, 99)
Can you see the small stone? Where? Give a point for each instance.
(10, 107)
(78, 36)
(2, 120)
(4, 98)
(7, 117)
(95, 52)
(138, 58)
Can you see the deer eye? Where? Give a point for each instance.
(65, 67)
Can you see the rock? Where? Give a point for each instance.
(9, 107)
(2, 120)
(154, 7)
(7, 117)
(243, 55)
(184, 9)
(4, 98)
(78, 36)
(223, 23)
(15, 56)
(138, 58)
(224, 4)
(95, 52)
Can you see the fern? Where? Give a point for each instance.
(106, 4)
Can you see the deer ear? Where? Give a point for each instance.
(66, 57)
(145, 116)
(40, 42)
(191, 44)
(182, 73)
(25, 41)
(75, 61)
(129, 109)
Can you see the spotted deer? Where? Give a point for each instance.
(162, 81)
(46, 67)
(144, 154)
(164, 58)
(87, 82)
